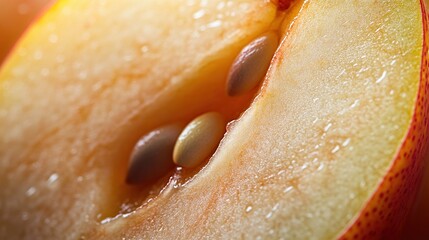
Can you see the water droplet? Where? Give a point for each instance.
(355, 104)
(383, 76)
(269, 177)
(107, 220)
(276, 207)
(31, 191)
(341, 73)
(327, 127)
(199, 14)
(288, 189)
(53, 178)
(144, 49)
(304, 166)
(315, 120)
(336, 149)
(249, 209)
(346, 142)
(214, 24)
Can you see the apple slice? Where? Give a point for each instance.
(79, 90)
(333, 145)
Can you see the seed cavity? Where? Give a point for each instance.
(282, 4)
(251, 64)
(152, 157)
(199, 140)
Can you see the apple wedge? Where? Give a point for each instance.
(331, 147)
(79, 90)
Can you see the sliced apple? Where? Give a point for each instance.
(332, 147)
(72, 109)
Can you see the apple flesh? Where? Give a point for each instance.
(71, 110)
(331, 147)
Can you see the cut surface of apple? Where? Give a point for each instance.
(331, 147)
(72, 109)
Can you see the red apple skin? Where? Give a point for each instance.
(416, 227)
(385, 214)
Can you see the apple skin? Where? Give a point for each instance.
(15, 17)
(416, 227)
(385, 214)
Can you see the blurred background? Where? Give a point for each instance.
(17, 15)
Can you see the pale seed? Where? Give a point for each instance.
(199, 140)
(152, 157)
(251, 64)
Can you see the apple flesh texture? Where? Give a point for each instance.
(71, 110)
(332, 146)
(338, 106)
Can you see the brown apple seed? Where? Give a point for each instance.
(251, 64)
(152, 157)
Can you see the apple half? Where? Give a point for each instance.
(332, 146)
